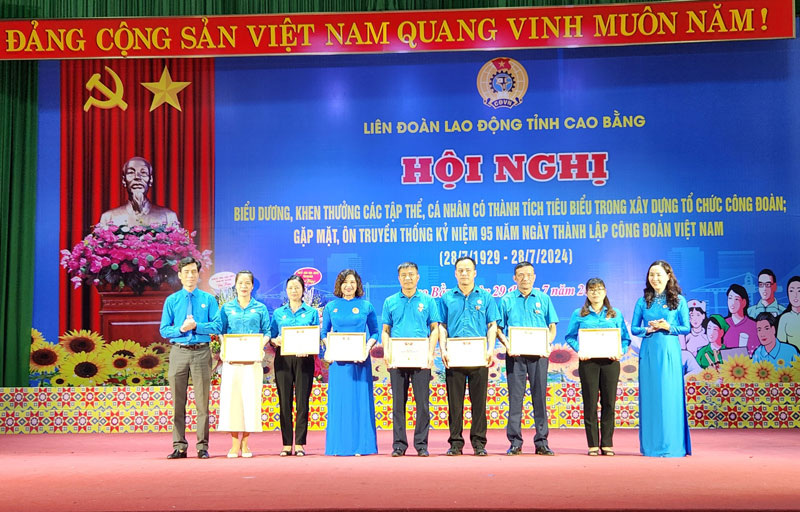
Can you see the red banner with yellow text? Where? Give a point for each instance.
(406, 31)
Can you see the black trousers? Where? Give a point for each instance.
(420, 379)
(519, 371)
(599, 375)
(294, 377)
(456, 380)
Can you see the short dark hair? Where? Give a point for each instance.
(462, 258)
(523, 264)
(407, 264)
(337, 286)
(188, 261)
(297, 278)
(741, 292)
(244, 273)
(767, 272)
(764, 316)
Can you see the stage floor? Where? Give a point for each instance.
(730, 470)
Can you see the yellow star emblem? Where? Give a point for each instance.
(165, 91)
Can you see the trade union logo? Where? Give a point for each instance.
(502, 82)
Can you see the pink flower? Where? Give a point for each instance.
(135, 256)
(96, 266)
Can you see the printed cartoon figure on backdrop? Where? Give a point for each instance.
(770, 349)
(767, 286)
(742, 329)
(716, 328)
(789, 321)
(696, 339)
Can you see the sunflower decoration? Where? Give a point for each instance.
(59, 381)
(709, 375)
(120, 363)
(160, 348)
(736, 370)
(629, 369)
(45, 356)
(36, 336)
(763, 371)
(784, 376)
(136, 379)
(124, 348)
(87, 369)
(562, 359)
(148, 362)
(795, 369)
(81, 341)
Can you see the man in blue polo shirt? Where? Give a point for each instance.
(187, 320)
(467, 311)
(526, 307)
(409, 314)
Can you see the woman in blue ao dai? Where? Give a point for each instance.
(658, 318)
(351, 407)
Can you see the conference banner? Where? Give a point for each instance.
(399, 31)
(585, 162)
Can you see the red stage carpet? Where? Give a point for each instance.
(731, 470)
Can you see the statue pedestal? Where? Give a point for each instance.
(125, 315)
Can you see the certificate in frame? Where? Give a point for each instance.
(346, 346)
(300, 340)
(242, 348)
(466, 352)
(410, 352)
(529, 341)
(600, 343)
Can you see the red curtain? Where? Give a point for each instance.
(97, 142)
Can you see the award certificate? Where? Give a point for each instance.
(601, 343)
(409, 352)
(528, 341)
(466, 352)
(346, 346)
(300, 340)
(242, 348)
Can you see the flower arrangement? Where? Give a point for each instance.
(136, 257)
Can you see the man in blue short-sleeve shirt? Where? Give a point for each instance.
(467, 311)
(409, 313)
(526, 307)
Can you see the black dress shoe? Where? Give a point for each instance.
(514, 450)
(398, 453)
(453, 452)
(481, 452)
(423, 452)
(177, 454)
(202, 454)
(544, 450)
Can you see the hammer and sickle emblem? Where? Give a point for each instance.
(113, 98)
